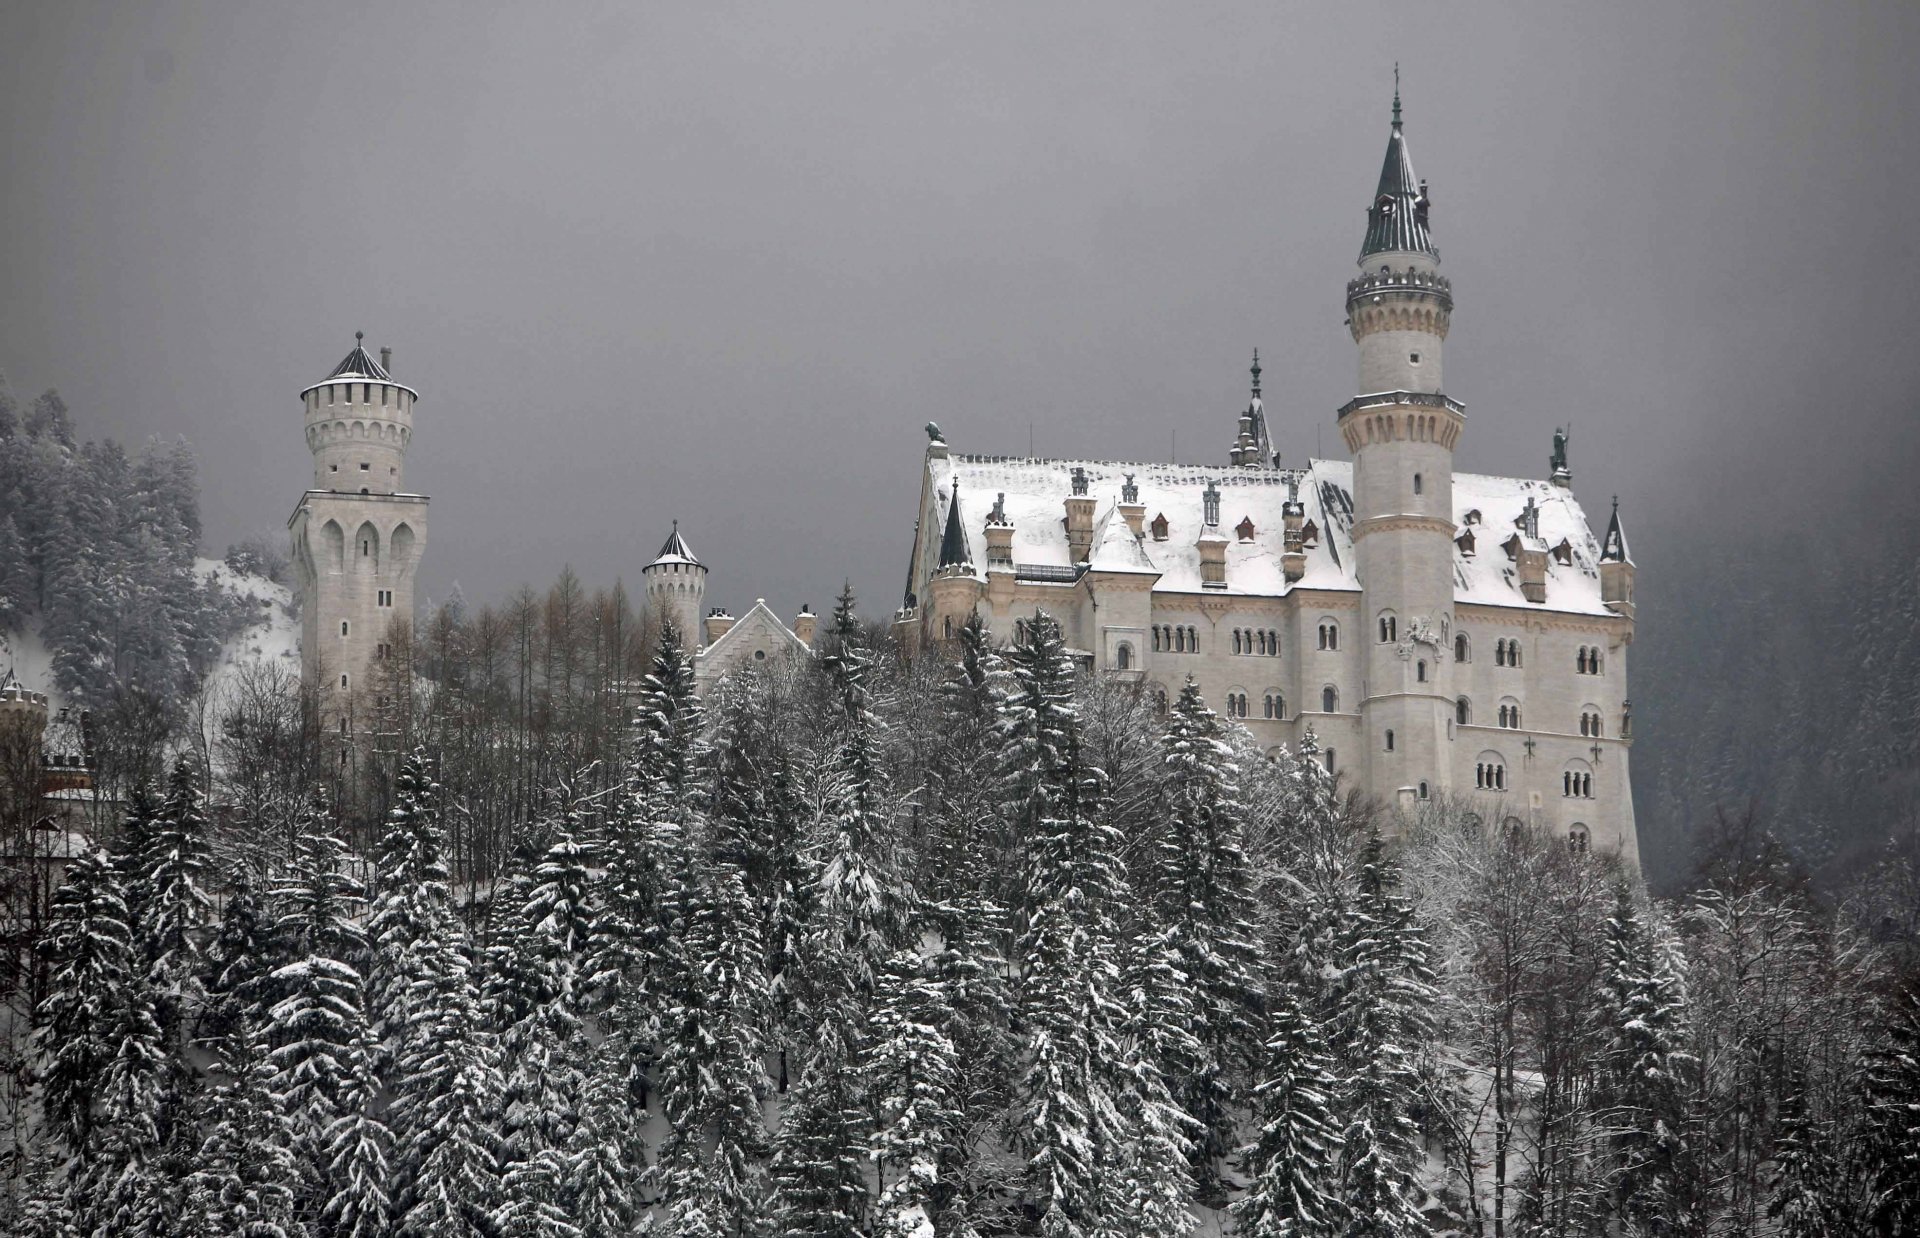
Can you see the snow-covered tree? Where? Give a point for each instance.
(93, 977)
(819, 1170)
(1152, 1180)
(359, 1152)
(603, 1165)
(1295, 1188)
(1642, 1073)
(244, 1176)
(1890, 1089)
(1202, 894)
(913, 1072)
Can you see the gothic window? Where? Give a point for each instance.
(1420, 670)
(1577, 838)
(1463, 711)
(343, 627)
(1123, 656)
(1160, 527)
(1460, 648)
(1329, 700)
(1389, 739)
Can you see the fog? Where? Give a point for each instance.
(720, 263)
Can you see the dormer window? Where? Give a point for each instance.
(1472, 517)
(1245, 528)
(1465, 543)
(1160, 527)
(1563, 553)
(1310, 534)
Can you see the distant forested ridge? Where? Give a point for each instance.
(97, 550)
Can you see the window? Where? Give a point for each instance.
(1156, 638)
(1576, 783)
(1236, 704)
(1123, 656)
(382, 651)
(1590, 724)
(1510, 716)
(1506, 653)
(1329, 700)
(1577, 838)
(1329, 760)
(1389, 629)
(1180, 640)
(333, 468)
(1463, 711)
(343, 681)
(759, 655)
(946, 627)
(364, 467)
(1019, 631)
(1236, 640)
(1423, 789)
(1490, 773)
(1416, 487)
(1414, 357)
(1329, 635)
(1420, 671)
(366, 547)
(343, 627)
(1587, 661)
(1389, 739)
(1273, 643)
(1460, 648)
(1276, 706)
(343, 731)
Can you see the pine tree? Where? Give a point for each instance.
(1155, 1185)
(536, 1201)
(239, 963)
(92, 978)
(1295, 1188)
(318, 1026)
(603, 1162)
(913, 1071)
(359, 1151)
(1201, 885)
(819, 1168)
(1641, 1072)
(245, 1171)
(1889, 1087)
(1067, 1120)
(172, 871)
(1805, 1202)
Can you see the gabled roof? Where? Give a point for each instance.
(676, 550)
(1397, 216)
(357, 364)
(758, 619)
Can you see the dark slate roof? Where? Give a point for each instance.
(676, 548)
(359, 365)
(1397, 217)
(953, 542)
(1613, 547)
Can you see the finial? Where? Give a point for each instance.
(1256, 373)
(1396, 94)
(358, 336)
(1616, 505)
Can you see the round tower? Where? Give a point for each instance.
(356, 537)
(676, 584)
(1402, 429)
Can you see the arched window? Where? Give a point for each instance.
(1490, 772)
(1389, 629)
(1180, 640)
(1460, 649)
(1463, 711)
(343, 627)
(1193, 640)
(1576, 781)
(1329, 635)
(1577, 838)
(1423, 789)
(1236, 640)
(1389, 739)
(1123, 656)
(1273, 643)
(1329, 700)
(1510, 715)
(1274, 706)
(946, 627)
(1420, 671)
(1416, 487)
(1019, 631)
(1330, 760)
(1156, 638)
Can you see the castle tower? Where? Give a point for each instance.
(357, 537)
(676, 583)
(1402, 431)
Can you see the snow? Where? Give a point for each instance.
(1035, 491)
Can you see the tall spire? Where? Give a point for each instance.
(953, 540)
(1613, 548)
(1397, 217)
(1256, 373)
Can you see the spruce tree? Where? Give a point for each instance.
(1643, 1060)
(172, 870)
(92, 977)
(1889, 1087)
(1067, 1121)
(359, 1151)
(1154, 1183)
(1201, 886)
(239, 962)
(1295, 1185)
(819, 1170)
(913, 1072)
(602, 1162)
(243, 1182)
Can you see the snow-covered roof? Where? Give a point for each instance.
(676, 550)
(1035, 490)
(758, 621)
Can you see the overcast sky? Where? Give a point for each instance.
(722, 262)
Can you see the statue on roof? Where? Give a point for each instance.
(933, 432)
(1558, 461)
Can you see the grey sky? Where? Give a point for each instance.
(721, 262)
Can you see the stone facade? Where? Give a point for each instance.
(357, 536)
(1439, 633)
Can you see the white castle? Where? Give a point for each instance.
(1439, 633)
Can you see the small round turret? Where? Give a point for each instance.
(359, 422)
(676, 584)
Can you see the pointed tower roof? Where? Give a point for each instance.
(358, 364)
(676, 550)
(1257, 410)
(953, 542)
(1613, 547)
(1397, 217)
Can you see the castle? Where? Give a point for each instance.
(1439, 633)
(357, 535)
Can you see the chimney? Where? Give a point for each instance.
(803, 626)
(386, 359)
(718, 624)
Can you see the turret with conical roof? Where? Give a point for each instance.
(676, 585)
(1616, 567)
